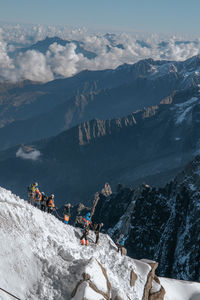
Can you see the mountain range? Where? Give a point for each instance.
(106, 134)
(150, 145)
(32, 111)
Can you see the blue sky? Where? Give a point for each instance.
(167, 16)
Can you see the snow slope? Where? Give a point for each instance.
(180, 290)
(41, 258)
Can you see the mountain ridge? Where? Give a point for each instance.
(90, 94)
(161, 223)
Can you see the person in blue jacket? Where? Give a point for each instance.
(87, 220)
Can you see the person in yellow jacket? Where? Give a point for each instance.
(51, 205)
(32, 190)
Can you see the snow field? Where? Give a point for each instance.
(41, 257)
(180, 290)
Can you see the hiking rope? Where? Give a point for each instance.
(58, 215)
(55, 211)
(9, 294)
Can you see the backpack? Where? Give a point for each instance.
(38, 195)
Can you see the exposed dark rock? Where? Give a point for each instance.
(158, 295)
(159, 223)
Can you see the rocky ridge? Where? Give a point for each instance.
(44, 110)
(159, 223)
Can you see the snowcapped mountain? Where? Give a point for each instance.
(43, 46)
(161, 224)
(41, 258)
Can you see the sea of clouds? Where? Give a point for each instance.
(60, 61)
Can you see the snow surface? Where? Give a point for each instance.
(41, 257)
(180, 290)
(183, 109)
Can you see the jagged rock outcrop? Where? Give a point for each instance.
(133, 278)
(106, 191)
(90, 130)
(159, 223)
(149, 284)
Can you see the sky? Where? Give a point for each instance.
(157, 29)
(162, 16)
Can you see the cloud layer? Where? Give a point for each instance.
(61, 60)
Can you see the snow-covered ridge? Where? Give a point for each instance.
(184, 109)
(41, 258)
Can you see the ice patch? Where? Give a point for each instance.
(192, 187)
(183, 109)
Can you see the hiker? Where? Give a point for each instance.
(51, 205)
(120, 244)
(87, 220)
(43, 202)
(31, 192)
(67, 213)
(37, 198)
(84, 236)
(97, 228)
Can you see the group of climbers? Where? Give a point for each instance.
(46, 204)
(39, 199)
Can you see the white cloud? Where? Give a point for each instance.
(32, 65)
(64, 61)
(6, 63)
(32, 155)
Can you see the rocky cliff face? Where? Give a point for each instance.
(162, 224)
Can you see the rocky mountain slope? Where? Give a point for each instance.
(161, 224)
(42, 258)
(151, 144)
(44, 110)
